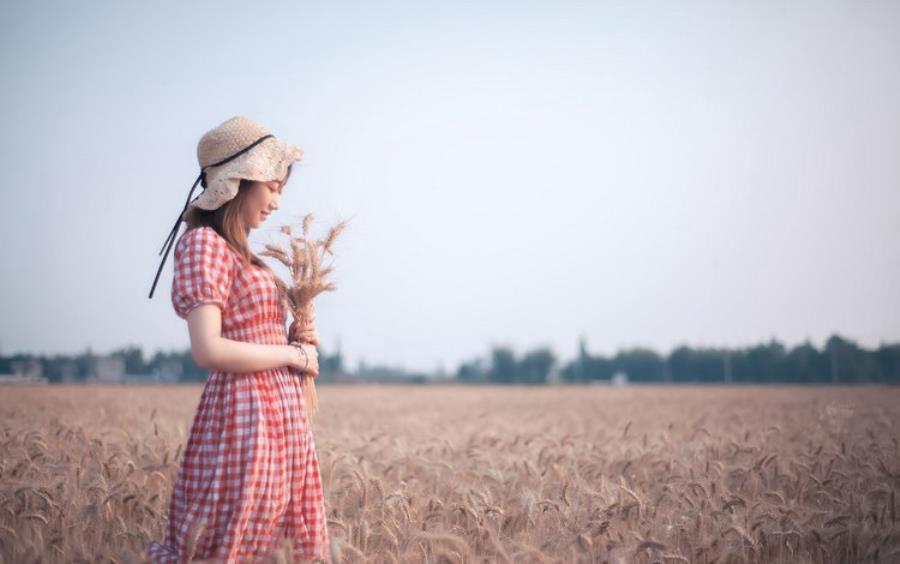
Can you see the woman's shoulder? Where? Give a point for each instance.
(204, 270)
(203, 239)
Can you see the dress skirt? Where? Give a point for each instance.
(249, 476)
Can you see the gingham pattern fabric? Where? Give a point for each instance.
(249, 475)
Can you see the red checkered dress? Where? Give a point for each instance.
(250, 474)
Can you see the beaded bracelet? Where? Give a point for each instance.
(299, 346)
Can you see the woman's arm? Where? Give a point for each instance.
(212, 351)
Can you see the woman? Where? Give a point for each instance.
(249, 475)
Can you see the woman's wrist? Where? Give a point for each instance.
(301, 355)
(294, 358)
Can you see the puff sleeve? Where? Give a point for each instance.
(204, 270)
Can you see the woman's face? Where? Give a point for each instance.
(262, 199)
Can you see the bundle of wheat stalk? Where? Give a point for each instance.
(309, 275)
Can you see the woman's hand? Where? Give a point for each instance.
(305, 358)
(308, 336)
(305, 332)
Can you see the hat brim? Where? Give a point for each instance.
(267, 161)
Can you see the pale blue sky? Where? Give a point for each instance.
(521, 173)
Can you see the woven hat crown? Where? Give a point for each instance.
(227, 139)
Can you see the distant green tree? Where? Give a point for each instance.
(471, 371)
(640, 364)
(888, 359)
(599, 368)
(850, 363)
(54, 367)
(805, 364)
(586, 367)
(535, 366)
(134, 359)
(190, 371)
(761, 363)
(503, 366)
(698, 365)
(84, 364)
(329, 365)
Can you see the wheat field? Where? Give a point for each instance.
(488, 474)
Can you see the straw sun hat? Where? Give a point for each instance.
(237, 149)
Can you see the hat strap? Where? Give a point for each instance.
(170, 240)
(201, 178)
(241, 152)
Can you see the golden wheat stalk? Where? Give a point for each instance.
(309, 276)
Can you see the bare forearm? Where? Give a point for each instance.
(227, 355)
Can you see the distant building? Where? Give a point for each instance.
(68, 371)
(381, 374)
(555, 376)
(107, 370)
(168, 371)
(442, 378)
(27, 371)
(337, 378)
(619, 379)
(21, 379)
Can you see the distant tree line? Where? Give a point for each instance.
(504, 367)
(839, 361)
